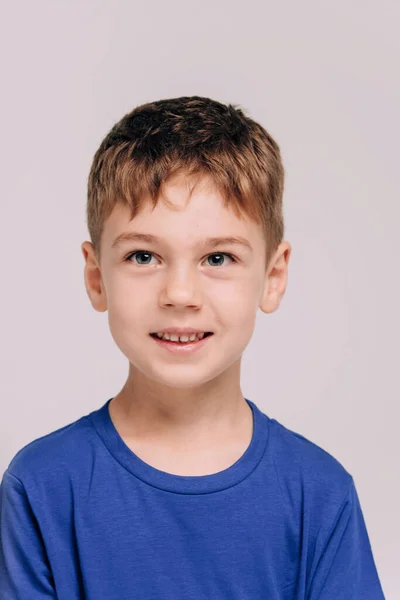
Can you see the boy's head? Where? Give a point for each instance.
(183, 170)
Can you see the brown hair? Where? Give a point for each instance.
(195, 135)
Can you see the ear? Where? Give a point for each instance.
(276, 279)
(93, 281)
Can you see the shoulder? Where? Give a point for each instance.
(45, 460)
(307, 471)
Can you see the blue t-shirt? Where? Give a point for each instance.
(83, 517)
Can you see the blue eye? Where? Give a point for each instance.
(144, 252)
(218, 254)
(128, 258)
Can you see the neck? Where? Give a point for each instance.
(210, 415)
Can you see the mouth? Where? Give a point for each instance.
(183, 348)
(178, 343)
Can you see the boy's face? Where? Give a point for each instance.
(180, 284)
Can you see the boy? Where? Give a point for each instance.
(179, 487)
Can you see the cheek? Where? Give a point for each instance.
(236, 315)
(123, 306)
(126, 312)
(126, 296)
(243, 310)
(126, 326)
(237, 303)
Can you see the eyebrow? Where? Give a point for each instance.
(132, 236)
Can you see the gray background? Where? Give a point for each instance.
(323, 78)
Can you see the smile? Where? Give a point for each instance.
(182, 347)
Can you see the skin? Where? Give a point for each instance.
(184, 414)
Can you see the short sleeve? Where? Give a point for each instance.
(345, 568)
(24, 568)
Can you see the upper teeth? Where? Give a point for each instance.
(173, 337)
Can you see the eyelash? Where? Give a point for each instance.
(129, 256)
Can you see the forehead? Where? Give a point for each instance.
(187, 212)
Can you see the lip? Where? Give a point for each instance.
(180, 330)
(176, 348)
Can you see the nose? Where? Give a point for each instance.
(181, 289)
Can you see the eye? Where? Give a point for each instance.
(218, 254)
(145, 253)
(139, 252)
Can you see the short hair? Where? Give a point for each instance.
(197, 136)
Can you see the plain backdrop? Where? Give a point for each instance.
(323, 78)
